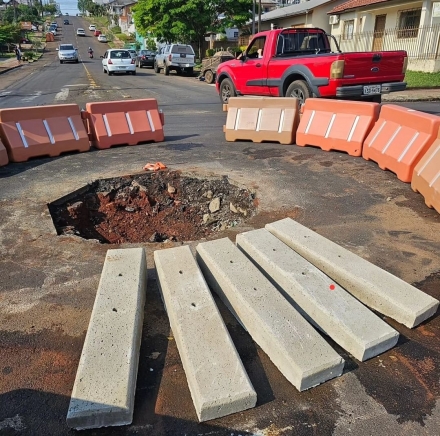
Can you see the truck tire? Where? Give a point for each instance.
(166, 70)
(156, 68)
(209, 76)
(190, 71)
(300, 90)
(227, 90)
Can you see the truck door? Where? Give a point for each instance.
(253, 69)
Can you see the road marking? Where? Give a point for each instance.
(62, 95)
(2, 94)
(79, 84)
(32, 96)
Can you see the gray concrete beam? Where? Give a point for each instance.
(216, 377)
(292, 344)
(370, 284)
(105, 384)
(322, 301)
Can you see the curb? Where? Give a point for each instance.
(5, 70)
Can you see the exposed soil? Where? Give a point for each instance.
(152, 207)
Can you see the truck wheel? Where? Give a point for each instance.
(300, 90)
(227, 90)
(156, 68)
(209, 76)
(190, 71)
(166, 70)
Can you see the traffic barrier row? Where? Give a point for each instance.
(394, 137)
(52, 130)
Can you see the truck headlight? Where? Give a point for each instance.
(337, 69)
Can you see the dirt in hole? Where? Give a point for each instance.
(153, 207)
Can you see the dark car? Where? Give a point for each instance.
(145, 58)
(66, 22)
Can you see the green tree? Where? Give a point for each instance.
(187, 21)
(9, 33)
(21, 13)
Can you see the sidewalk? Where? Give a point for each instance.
(9, 64)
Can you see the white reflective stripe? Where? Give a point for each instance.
(107, 127)
(21, 133)
(130, 126)
(259, 119)
(280, 127)
(75, 133)
(237, 119)
(434, 179)
(150, 120)
(428, 161)
(49, 133)
(353, 128)
(330, 126)
(310, 122)
(391, 140)
(408, 147)
(377, 134)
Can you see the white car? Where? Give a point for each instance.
(80, 32)
(53, 31)
(67, 53)
(133, 52)
(118, 60)
(92, 27)
(102, 38)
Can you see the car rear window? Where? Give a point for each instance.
(292, 42)
(122, 54)
(66, 47)
(187, 49)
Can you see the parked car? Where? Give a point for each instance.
(25, 41)
(177, 57)
(54, 23)
(299, 62)
(97, 32)
(92, 27)
(118, 60)
(67, 53)
(53, 30)
(145, 58)
(66, 22)
(102, 38)
(80, 32)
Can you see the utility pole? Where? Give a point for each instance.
(253, 17)
(259, 15)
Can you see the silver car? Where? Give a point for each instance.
(118, 60)
(67, 53)
(177, 57)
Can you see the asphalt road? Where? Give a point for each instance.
(48, 282)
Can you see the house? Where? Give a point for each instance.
(121, 10)
(298, 13)
(414, 26)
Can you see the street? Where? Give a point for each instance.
(48, 282)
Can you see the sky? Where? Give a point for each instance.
(69, 6)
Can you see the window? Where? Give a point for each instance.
(409, 21)
(187, 49)
(255, 50)
(236, 34)
(348, 29)
(299, 42)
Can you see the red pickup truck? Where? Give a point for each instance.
(299, 62)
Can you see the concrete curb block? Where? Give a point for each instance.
(325, 304)
(216, 377)
(105, 384)
(292, 344)
(370, 284)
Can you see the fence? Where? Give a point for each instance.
(420, 43)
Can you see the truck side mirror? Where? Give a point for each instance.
(242, 56)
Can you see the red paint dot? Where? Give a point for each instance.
(332, 287)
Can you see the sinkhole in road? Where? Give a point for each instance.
(152, 207)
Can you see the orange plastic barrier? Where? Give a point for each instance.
(273, 119)
(42, 131)
(426, 176)
(400, 138)
(4, 160)
(336, 124)
(125, 122)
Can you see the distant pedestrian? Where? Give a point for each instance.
(18, 53)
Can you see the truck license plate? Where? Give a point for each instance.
(372, 89)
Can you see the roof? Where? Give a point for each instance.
(353, 4)
(296, 9)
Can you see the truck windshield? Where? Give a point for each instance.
(291, 43)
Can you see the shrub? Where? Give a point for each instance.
(210, 52)
(29, 54)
